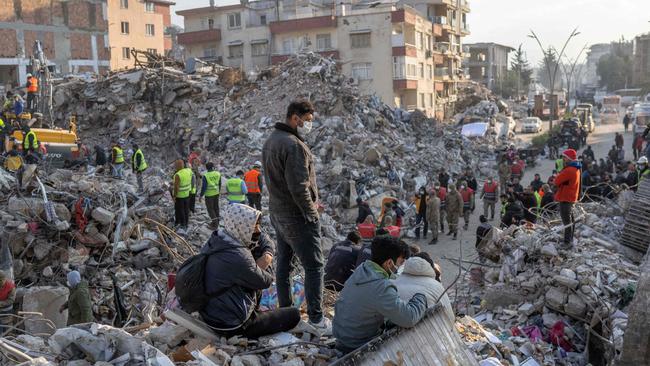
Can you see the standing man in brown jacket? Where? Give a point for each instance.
(290, 175)
(454, 209)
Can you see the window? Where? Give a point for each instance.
(421, 70)
(125, 27)
(260, 49)
(421, 101)
(263, 19)
(149, 30)
(430, 100)
(427, 44)
(360, 40)
(323, 42)
(287, 46)
(411, 71)
(124, 4)
(418, 40)
(234, 20)
(236, 51)
(126, 53)
(362, 71)
(398, 67)
(210, 23)
(152, 50)
(149, 7)
(429, 72)
(210, 52)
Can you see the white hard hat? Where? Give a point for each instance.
(29, 75)
(642, 160)
(257, 163)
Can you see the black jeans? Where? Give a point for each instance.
(192, 202)
(182, 211)
(212, 205)
(255, 200)
(566, 212)
(419, 219)
(268, 322)
(299, 237)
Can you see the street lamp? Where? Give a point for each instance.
(552, 73)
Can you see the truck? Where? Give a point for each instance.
(611, 106)
(640, 117)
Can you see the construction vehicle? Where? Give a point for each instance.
(56, 145)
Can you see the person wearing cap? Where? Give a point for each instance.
(568, 192)
(253, 180)
(643, 171)
(211, 188)
(7, 298)
(117, 160)
(79, 304)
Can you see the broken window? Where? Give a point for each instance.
(125, 27)
(362, 71)
(236, 51)
(126, 53)
(150, 30)
(323, 42)
(124, 4)
(234, 20)
(360, 40)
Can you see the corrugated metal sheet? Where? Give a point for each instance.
(433, 342)
(636, 233)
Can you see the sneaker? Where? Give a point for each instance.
(304, 327)
(324, 327)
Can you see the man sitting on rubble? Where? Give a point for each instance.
(364, 211)
(342, 261)
(420, 275)
(529, 203)
(236, 272)
(369, 298)
(513, 212)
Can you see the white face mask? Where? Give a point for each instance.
(306, 127)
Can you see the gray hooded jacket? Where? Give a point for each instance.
(231, 270)
(369, 299)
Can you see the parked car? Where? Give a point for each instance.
(531, 124)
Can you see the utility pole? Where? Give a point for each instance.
(552, 73)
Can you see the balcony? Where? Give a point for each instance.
(202, 36)
(449, 3)
(464, 6)
(302, 24)
(441, 74)
(403, 16)
(437, 30)
(442, 47)
(405, 84)
(464, 29)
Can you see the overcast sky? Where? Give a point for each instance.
(509, 21)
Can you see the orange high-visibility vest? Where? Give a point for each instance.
(251, 179)
(33, 85)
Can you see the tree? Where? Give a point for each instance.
(522, 69)
(507, 85)
(615, 71)
(549, 63)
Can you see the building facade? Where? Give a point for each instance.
(487, 63)
(641, 59)
(417, 46)
(595, 52)
(73, 35)
(139, 25)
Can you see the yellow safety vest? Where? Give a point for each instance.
(185, 182)
(143, 163)
(235, 193)
(559, 164)
(26, 141)
(2, 123)
(212, 179)
(119, 155)
(194, 183)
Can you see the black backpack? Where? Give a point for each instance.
(190, 283)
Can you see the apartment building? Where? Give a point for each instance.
(73, 35)
(487, 63)
(137, 24)
(406, 57)
(641, 59)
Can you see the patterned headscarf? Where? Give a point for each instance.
(239, 222)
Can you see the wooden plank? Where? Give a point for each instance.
(192, 324)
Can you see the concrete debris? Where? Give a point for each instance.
(548, 305)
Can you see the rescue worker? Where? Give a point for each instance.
(3, 133)
(117, 160)
(468, 203)
(181, 193)
(643, 171)
(442, 194)
(100, 159)
(537, 183)
(568, 192)
(236, 188)
(469, 178)
(489, 195)
(138, 165)
(19, 105)
(516, 169)
(32, 93)
(7, 299)
(193, 189)
(433, 216)
(421, 210)
(79, 304)
(211, 188)
(559, 164)
(30, 141)
(253, 179)
(443, 178)
(454, 209)
(504, 174)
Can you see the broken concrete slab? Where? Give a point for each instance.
(45, 300)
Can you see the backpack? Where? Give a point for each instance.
(190, 283)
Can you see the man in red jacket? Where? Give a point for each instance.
(568, 192)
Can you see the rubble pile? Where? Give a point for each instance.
(552, 305)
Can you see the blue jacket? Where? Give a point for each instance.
(368, 299)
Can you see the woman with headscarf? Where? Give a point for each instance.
(79, 304)
(235, 275)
